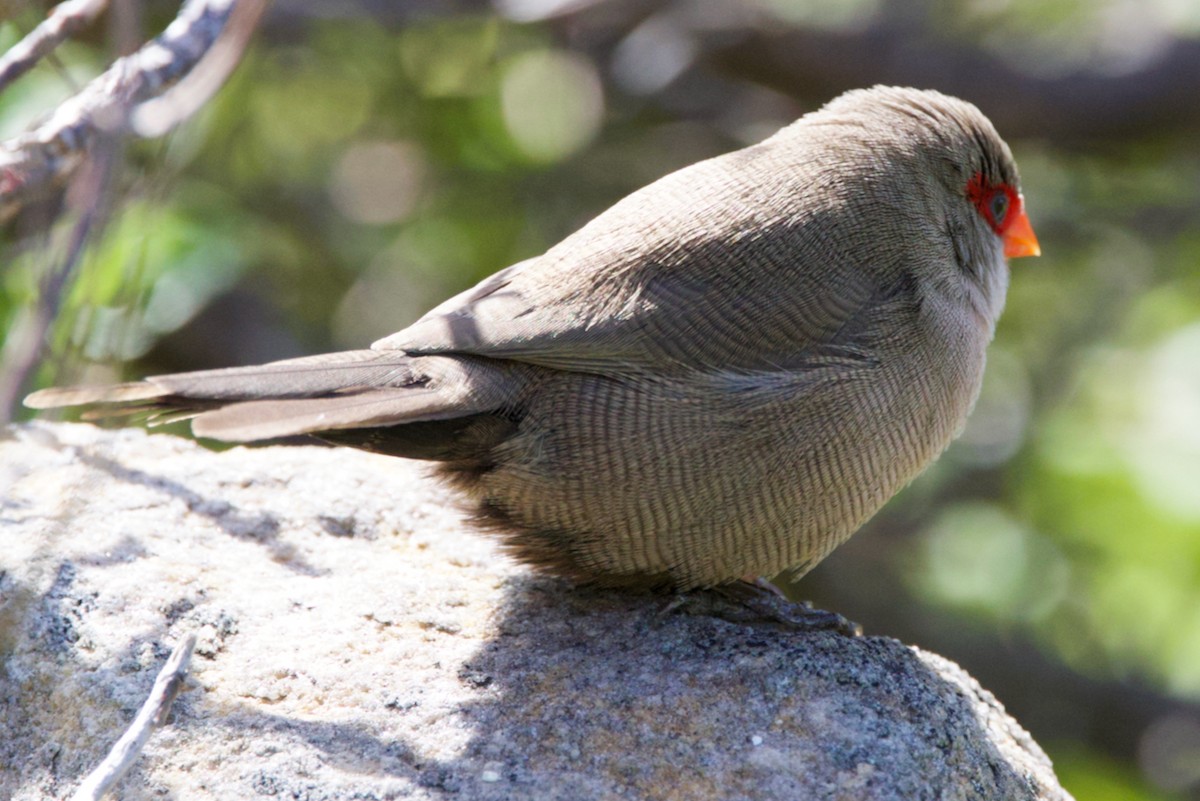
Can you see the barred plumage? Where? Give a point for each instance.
(725, 374)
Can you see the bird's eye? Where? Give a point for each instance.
(993, 201)
(998, 206)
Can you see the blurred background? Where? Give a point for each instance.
(369, 159)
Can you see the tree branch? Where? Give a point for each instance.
(38, 162)
(26, 336)
(157, 116)
(65, 20)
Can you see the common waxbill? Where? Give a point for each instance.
(723, 375)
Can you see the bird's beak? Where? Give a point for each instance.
(1019, 239)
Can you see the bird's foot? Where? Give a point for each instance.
(756, 600)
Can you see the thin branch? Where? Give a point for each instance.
(36, 163)
(152, 714)
(65, 20)
(195, 54)
(23, 345)
(159, 115)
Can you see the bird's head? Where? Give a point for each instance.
(945, 187)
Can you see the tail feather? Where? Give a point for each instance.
(56, 397)
(267, 419)
(335, 391)
(309, 376)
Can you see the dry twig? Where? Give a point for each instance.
(23, 343)
(39, 161)
(195, 55)
(159, 115)
(66, 19)
(152, 714)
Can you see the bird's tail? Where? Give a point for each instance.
(361, 389)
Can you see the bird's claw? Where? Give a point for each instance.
(746, 602)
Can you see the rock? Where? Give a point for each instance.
(357, 641)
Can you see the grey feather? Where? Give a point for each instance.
(410, 390)
(56, 397)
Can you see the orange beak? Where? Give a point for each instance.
(1019, 239)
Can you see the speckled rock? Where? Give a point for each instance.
(357, 641)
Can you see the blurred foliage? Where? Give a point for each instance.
(350, 177)
(1096, 780)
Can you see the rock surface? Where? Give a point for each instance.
(356, 641)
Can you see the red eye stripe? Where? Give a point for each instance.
(1013, 227)
(982, 196)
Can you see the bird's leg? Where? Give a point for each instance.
(760, 584)
(756, 599)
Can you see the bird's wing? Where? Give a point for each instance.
(742, 261)
(756, 302)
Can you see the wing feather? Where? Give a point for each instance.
(662, 282)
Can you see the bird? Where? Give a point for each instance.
(720, 377)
